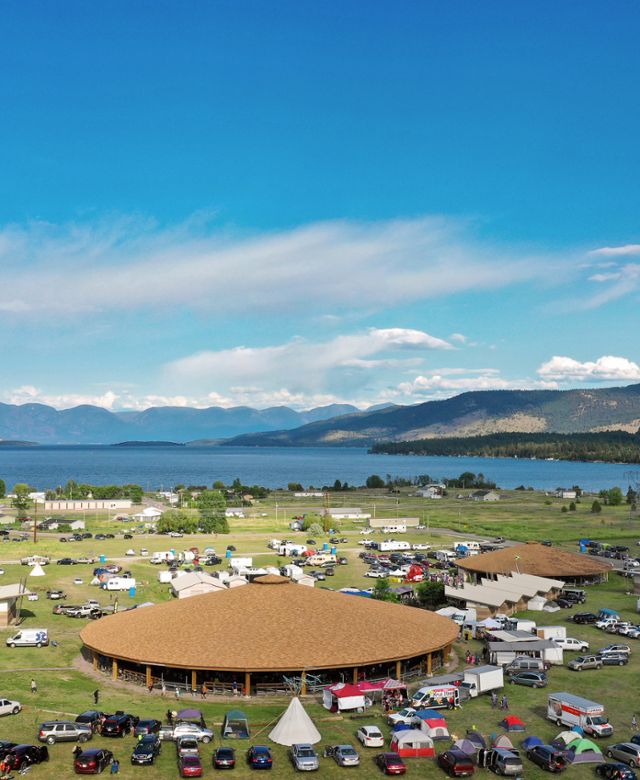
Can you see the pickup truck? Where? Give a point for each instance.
(185, 729)
(569, 643)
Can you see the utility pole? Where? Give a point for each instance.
(35, 520)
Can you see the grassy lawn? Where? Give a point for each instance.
(63, 690)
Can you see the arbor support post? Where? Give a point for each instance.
(247, 683)
(194, 680)
(114, 669)
(149, 679)
(303, 684)
(355, 675)
(398, 670)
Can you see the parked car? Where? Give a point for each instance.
(614, 659)
(190, 765)
(532, 679)
(345, 755)
(147, 727)
(53, 731)
(224, 758)
(6, 747)
(22, 756)
(118, 725)
(585, 617)
(146, 750)
(91, 717)
(65, 561)
(92, 761)
(186, 729)
(259, 757)
(391, 763)
(583, 662)
(406, 715)
(501, 761)
(569, 643)
(456, 763)
(548, 757)
(627, 752)
(614, 649)
(370, 736)
(187, 746)
(304, 757)
(615, 772)
(8, 707)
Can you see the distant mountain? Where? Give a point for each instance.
(94, 425)
(470, 414)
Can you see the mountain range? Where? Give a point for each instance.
(94, 425)
(469, 414)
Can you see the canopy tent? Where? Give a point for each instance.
(503, 741)
(536, 604)
(583, 751)
(530, 742)
(512, 723)
(372, 687)
(343, 697)
(37, 571)
(467, 746)
(189, 714)
(235, 725)
(424, 714)
(436, 728)
(294, 726)
(412, 743)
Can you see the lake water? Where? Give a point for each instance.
(163, 467)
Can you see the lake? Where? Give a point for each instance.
(162, 467)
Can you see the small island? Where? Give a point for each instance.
(148, 444)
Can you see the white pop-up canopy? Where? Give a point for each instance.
(295, 726)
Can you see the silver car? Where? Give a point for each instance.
(627, 752)
(345, 755)
(53, 731)
(304, 757)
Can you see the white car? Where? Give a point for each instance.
(569, 643)
(420, 546)
(375, 573)
(366, 531)
(175, 534)
(144, 552)
(370, 736)
(8, 707)
(130, 552)
(406, 716)
(602, 624)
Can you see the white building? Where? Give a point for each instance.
(149, 513)
(195, 584)
(234, 511)
(86, 504)
(77, 525)
(431, 491)
(348, 513)
(309, 495)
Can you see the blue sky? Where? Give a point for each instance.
(295, 202)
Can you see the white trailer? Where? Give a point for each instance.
(292, 549)
(445, 556)
(235, 564)
(482, 679)
(394, 529)
(552, 632)
(565, 709)
(119, 583)
(162, 557)
(393, 545)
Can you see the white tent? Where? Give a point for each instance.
(295, 726)
(37, 571)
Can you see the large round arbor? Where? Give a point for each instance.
(268, 629)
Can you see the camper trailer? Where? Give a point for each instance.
(393, 545)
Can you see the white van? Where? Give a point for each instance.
(436, 697)
(29, 637)
(119, 583)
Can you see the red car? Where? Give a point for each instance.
(190, 766)
(92, 761)
(391, 763)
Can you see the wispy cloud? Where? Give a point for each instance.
(607, 368)
(616, 251)
(444, 382)
(136, 264)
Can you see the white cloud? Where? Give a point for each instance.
(445, 382)
(134, 264)
(27, 394)
(617, 251)
(606, 368)
(459, 337)
(300, 363)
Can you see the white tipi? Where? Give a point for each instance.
(37, 571)
(295, 726)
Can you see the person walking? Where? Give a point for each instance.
(76, 751)
(494, 700)
(163, 689)
(504, 704)
(234, 688)
(634, 723)
(177, 693)
(170, 717)
(115, 766)
(34, 686)
(203, 691)
(96, 696)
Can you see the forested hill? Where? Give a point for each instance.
(610, 447)
(477, 413)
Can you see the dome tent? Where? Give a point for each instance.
(295, 726)
(583, 751)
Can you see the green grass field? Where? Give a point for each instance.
(64, 689)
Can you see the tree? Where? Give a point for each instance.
(382, 591)
(21, 502)
(374, 481)
(564, 509)
(632, 496)
(430, 594)
(294, 487)
(212, 505)
(177, 520)
(615, 497)
(315, 529)
(596, 507)
(572, 506)
(3, 488)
